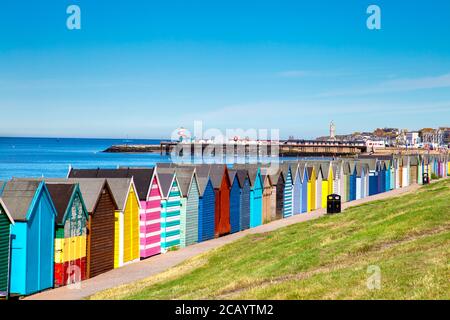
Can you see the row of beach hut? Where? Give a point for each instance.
(54, 232)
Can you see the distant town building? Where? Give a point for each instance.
(412, 138)
(372, 145)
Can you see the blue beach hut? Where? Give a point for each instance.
(244, 182)
(206, 204)
(235, 201)
(33, 235)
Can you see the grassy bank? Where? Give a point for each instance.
(407, 238)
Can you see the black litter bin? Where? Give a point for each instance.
(425, 178)
(333, 204)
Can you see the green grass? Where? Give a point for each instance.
(407, 237)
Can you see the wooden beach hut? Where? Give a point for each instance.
(288, 190)
(352, 181)
(269, 197)
(277, 179)
(304, 187)
(359, 180)
(337, 182)
(405, 171)
(327, 182)
(319, 180)
(187, 179)
(127, 228)
(244, 182)
(373, 175)
(414, 169)
(256, 195)
(222, 185)
(70, 234)
(206, 204)
(170, 209)
(297, 188)
(235, 201)
(312, 185)
(6, 221)
(101, 205)
(30, 206)
(381, 176)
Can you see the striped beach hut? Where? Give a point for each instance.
(222, 185)
(288, 190)
(170, 209)
(277, 179)
(206, 204)
(70, 235)
(30, 206)
(187, 179)
(312, 187)
(6, 221)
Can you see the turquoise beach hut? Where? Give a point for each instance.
(33, 235)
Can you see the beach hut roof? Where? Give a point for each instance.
(18, 198)
(142, 177)
(301, 169)
(217, 173)
(120, 188)
(325, 167)
(62, 196)
(242, 174)
(232, 173)
(252, 170)
(166, 178)
(275, 176)
(309, 169)
(185, 176)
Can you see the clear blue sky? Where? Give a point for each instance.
(143, 68)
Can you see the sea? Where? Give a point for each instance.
(52, 157)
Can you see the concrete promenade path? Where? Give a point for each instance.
(160, 263)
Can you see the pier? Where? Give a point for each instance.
(287, 148)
